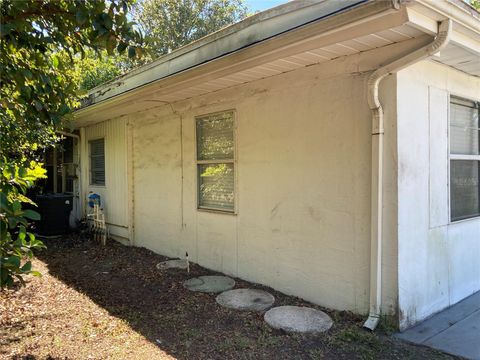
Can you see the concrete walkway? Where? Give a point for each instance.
(455, 330)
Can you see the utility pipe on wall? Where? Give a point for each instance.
(439, 43)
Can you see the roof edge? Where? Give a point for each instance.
(248, 32)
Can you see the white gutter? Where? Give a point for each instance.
(440, 41)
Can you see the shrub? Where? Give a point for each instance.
(16, 242)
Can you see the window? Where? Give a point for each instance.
(464, 159)
(97, 162)
(216, 161)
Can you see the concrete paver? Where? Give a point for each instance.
(298, 319)
(246, 299)
(210, 284)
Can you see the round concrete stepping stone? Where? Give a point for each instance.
(172, 264)
(298, 319)
(210, 284)
(246, 299)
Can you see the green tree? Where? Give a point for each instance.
(39, 41)
(169, 24)
(37, 89)
(95, 69)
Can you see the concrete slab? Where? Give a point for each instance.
(455, 330)
(298, 319)
(246, 299)
(173, 264)
(210, 284)
(461, 339)
(442, 320)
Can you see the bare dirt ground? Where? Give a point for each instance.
(111, 302)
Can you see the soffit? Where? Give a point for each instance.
(380, 32)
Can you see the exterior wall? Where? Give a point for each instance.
(437, 260)
(303, 181)
(114, 193)
(303, 186)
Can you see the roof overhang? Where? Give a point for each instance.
(294, 35)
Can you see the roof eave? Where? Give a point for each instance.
(280, 20)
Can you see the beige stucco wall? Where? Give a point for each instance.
(438, 260)
(303, 186)
(303, 171)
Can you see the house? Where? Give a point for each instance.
(328, 149)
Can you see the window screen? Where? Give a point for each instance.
(97, 162)
(215, 161)
(464, 159)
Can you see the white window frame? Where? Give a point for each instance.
(219, 161)
(457, 157)
(90, 180)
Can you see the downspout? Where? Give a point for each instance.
(439, 43)
(79, 210)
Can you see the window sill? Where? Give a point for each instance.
(216, 211)
(477, 218)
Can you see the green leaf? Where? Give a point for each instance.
(27, 267)
(24, 199)
(16, 207)
(22, 232)
(64, 109)
(13, 260)
(27, 73)
(12, 222)
(31, 214)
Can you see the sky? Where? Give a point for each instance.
(260, 5)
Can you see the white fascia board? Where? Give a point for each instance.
(458, 37)
(425, 15)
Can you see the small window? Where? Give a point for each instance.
(216, 161)
(464, 159)
(97, 162)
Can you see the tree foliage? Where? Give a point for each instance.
(169, 24)
(40, 40)
(95, 69)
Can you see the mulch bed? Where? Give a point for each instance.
(111, 302)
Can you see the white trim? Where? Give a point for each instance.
(464, 157)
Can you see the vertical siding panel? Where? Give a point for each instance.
(114, 194)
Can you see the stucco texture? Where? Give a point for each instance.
(302, 193)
